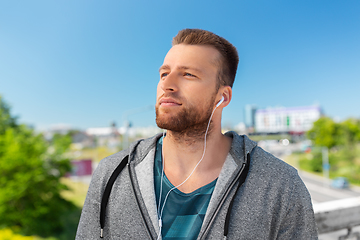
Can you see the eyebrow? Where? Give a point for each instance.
(167, 67)
(164, 67)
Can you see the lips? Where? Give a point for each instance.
(168, 102)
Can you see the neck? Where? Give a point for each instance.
(184, 151)
(191, 140)
(182, 158)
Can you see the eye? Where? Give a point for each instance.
(189, 74)
(164, 74)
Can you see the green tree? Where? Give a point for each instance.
(6, 120)
(323, 132)
(30, 172)
(349, 132)
(343, 141)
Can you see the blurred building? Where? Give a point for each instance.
(249, 113)
(240, 128)
(61, 129)
(82, 140)
(105, 136)
(293, 120)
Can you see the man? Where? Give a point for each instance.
(195, 182)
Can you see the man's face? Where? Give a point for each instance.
(187, 88)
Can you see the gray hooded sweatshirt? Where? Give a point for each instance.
(272, 203)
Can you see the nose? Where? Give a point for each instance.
(168, 83)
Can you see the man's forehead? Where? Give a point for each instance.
(188, 56)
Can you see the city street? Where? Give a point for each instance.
(318, 186)
(321, 192)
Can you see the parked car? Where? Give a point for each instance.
(340, 183)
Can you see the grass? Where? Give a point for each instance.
(343, 163)
(96, 154)
(76, 193)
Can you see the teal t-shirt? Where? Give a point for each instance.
(183, 213)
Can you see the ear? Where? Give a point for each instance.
(226, 92)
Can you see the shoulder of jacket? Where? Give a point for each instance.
(269, 162)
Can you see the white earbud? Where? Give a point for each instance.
(220, 102)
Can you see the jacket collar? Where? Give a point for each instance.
(142, 155)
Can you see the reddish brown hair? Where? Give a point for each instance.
(230, 59)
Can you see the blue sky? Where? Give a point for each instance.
(88, 63)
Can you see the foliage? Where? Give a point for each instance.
(30, 172)
(311, 162)
(323, 131)
(12, 234)
(327, 133)
(343, 141)
(342, 164)
(6, 120)
(8, 234)
(349, 132)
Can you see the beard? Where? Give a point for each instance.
(190, 121)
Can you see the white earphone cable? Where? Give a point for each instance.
(162, 174)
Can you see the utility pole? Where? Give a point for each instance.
(326, 165)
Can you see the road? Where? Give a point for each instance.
(321, 192)
(318, 186)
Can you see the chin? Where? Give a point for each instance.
(164, 122)
(183, 122)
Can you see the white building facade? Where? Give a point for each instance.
(294, 119)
